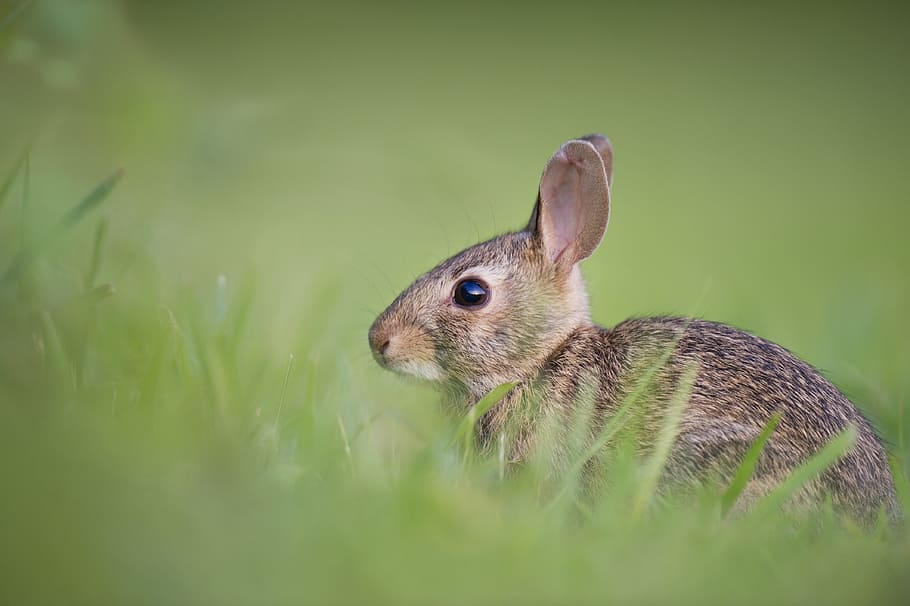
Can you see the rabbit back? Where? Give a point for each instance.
(740, 381)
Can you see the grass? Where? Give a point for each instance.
(164, 455)
(189, 412)
(744, 471)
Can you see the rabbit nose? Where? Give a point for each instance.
(379, 341)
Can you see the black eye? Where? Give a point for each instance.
(471, 293)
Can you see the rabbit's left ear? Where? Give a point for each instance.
(573, 206)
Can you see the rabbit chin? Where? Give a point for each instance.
(422, 370)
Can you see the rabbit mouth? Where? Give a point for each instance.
(391, 357)
(404, 349)
(418, 369)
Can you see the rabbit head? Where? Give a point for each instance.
(495, 312)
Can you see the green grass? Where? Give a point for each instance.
(747, 466)
(189, 412)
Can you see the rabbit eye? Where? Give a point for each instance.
(471, 293)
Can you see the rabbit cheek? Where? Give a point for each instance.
(468, 346)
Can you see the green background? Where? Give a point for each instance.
(290, 167)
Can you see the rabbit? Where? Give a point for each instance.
(515, 309)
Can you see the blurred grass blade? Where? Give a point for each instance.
(24, 240)
(466, 428)
(819, 462)
(613, 426)
(11, 177)
(619, 418)
(11, 16)
(501, 457)
(241, 308)
(96, 197)
(284, 391)
(28, 253)
(744, 471)
(346, 442)
(364, 425)
(665, 440)
(95, 261)
(901, 487)
(57, 359)
(577, 442)
(101, 292)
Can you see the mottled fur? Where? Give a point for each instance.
(536, 330)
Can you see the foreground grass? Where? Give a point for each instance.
(157, 450)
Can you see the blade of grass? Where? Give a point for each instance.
(212, 372)
(900, 486)
(665, 440)
(672, 416)
(465, 431)
(244, 294)
(93, 199)
(221, 301)
(28, 253)
(284, 390)
(57, 359)
(11, 177)
(901, 443)
(747, 467)
(613, 426)
(347, 443)
(501, 456)
(180, 350)
(574, 444)
(100, 292)
(95, 260)
(618, 419)
(13, 15)
(365, 425)
(24, 236)
(819, 462)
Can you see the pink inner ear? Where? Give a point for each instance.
(574, 203)
(561, 195)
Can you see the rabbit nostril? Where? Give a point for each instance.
(383, 347)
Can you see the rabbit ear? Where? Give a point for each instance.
(573, 206)
(605, 149)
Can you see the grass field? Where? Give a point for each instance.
(189, 412)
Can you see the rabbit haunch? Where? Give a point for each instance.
(534, 328)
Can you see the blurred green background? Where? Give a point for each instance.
(289, 167)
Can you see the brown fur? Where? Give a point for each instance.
(536, 330)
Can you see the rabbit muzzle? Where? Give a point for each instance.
(404, 349)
